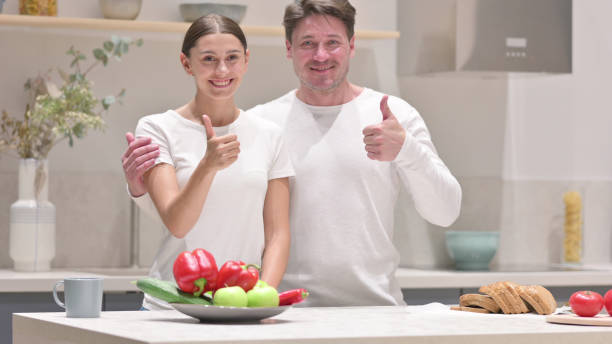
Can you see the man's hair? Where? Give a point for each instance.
(300, 9)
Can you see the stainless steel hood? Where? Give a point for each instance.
(484, 36)
(514, 35)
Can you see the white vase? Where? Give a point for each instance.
(32, 219)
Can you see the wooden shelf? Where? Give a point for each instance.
(152, 26)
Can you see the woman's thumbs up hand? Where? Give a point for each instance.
(221, 151)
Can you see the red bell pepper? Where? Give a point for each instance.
(291, 297)
(195, 272)
(237, 273)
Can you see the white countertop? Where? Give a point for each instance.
(115, 279)
(433, 323)
(119, 279)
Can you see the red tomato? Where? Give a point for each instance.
(586, 303)
(608, 301)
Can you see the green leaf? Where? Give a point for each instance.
(71, 51)
(108, 46)
(107, 102)
(78, 130)
(139, 42)
(122, 93)
(100, 55)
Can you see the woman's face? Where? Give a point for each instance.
(218, 63)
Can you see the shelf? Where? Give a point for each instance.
(152, 26)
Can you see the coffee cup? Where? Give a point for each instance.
(82, 296)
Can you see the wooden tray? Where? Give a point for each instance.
(573, 319)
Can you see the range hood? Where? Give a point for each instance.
(533, 36)
(514, 35)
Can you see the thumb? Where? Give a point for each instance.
(129, 137)
(210, 133)
(384, 108)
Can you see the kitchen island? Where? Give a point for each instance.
(432, 323)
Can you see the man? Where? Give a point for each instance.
(351, 147)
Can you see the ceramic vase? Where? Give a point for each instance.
(32, 219)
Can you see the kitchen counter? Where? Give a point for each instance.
(415, 324)
(118, 279)
(115, 279)
(554, 276)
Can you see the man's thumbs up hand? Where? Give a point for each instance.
(383, 141)
(221, 151)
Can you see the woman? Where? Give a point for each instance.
(218, 169)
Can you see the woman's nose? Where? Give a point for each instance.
(222, 67)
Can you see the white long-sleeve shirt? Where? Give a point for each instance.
(342, 202)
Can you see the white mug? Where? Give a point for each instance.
(82, 295)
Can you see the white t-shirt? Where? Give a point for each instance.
(231, 223)
(342, 202)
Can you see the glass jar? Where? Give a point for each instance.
(38, 7)
(572, 229)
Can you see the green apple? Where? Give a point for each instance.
(260, 283)
(266, 296)
(230, 296)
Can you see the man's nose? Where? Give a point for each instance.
(321, 54)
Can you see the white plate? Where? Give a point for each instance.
(228, 314)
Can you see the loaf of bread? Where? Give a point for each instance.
(539, 298)
(506, 296)
(479, 300)
(469, 309)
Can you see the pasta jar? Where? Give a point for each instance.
(572, 229)
(38, 7)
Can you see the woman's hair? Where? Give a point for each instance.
(209, 24)
(301, 9)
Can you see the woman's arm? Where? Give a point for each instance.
(276, 231)
(180, 209)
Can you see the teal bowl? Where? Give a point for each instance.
(472, 250)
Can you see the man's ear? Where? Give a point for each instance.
(185, 63)
(352, 46)
(288, 46)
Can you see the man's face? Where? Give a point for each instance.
(320, 50)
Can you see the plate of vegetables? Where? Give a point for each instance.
(233, 292)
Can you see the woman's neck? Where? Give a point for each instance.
(221, 112)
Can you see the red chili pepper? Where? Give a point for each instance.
(293, 296)
(195, 272)
(238, 273)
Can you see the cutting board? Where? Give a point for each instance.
(573, 319)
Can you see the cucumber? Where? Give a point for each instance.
(167, 291)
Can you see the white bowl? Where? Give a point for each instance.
(120, 9)
(193, 11)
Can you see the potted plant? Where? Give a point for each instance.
(54, 113)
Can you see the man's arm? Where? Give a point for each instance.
(138, 158)
(435, 191)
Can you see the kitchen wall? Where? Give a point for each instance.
(86, 181)
(517, 142)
